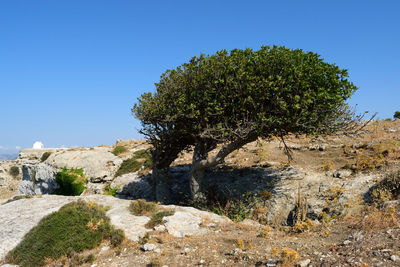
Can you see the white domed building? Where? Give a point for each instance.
(38, 145)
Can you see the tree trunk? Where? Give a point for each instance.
(201, 163)
(161, 185)
(197, 173)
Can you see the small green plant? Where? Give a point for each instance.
(71, 182)
(76, 227)
(141, 207)
(140, 158)
(45, 156)
(144, 239)
(111, 191)
(119, 150)
(14, 171)
(158, 218)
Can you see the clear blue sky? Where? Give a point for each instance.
(70, 70)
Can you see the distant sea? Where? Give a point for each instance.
(8, 156)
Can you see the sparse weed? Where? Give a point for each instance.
(265, 232)
(144, 239)
(289, 257)
(141, 207)
(327, 165)
(158, 218)
(240, 244)
(119, 150)
(14, 171)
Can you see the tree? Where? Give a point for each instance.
(233, 98)
(396, 115)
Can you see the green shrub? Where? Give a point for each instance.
(111, 191)
(14, 171)
(141, 207)
(396, 115)
(158, 217)
(119, 150)
(45, 156)
(140, 158)
(71, 181)
(76, 227)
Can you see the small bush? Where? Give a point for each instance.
(396, 115)
(387, 189)
(71, 181)
(111, 191)
(119, 150)
(45, 156)
(289, 256)
(140, 158)
(158, 217)
(14, 171)
(141, 207)
(76, 227)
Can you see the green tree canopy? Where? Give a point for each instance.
(235, 97)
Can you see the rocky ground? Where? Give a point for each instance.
(330, 176)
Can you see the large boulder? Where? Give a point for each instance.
(38, 178)
(98, 164)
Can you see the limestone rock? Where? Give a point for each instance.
(304, 263)
(187, 221)
(38, 179)
(149, 247)
(99, 164)
(182, 224)
(342, 174)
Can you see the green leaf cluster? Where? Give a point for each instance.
(71, 182)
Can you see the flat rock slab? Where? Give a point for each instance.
(18, 217)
